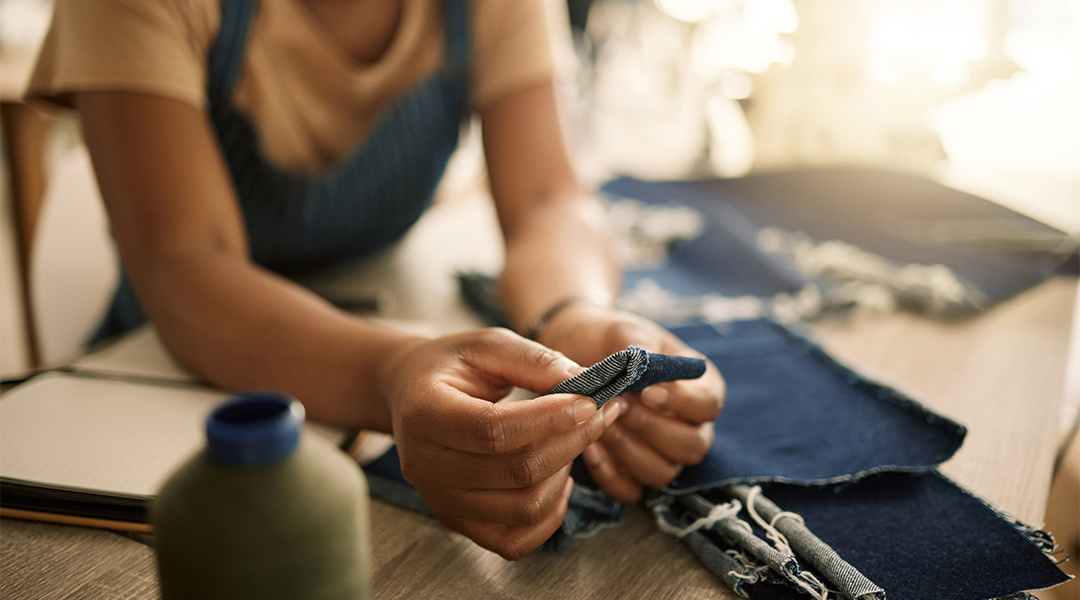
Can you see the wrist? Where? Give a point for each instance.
(574, 325)
(595, 299)
(391, 369)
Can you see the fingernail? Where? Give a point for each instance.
(655, 396)
(592, 456)
(612, 410)
(584, 407)
(564, 363)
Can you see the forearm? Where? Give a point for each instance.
(241, 327)
(561, 250)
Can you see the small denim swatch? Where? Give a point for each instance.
(630, 370)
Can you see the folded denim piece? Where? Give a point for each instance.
(630, 370)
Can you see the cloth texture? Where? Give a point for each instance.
(854, 460)
(955, 253)
(631, 370)
(297, 221)
(311, 102)
(843, 462)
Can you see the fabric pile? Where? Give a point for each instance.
(821, 483)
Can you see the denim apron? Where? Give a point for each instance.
(299, 221)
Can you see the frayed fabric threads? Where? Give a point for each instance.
(715, 514)
(789, 533)
(872, 280)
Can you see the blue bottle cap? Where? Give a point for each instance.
(254, 429)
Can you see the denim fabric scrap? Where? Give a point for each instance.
(630, 370)
(845, 578)
(760, 560)
(902, 218)
(794, 414)
(801, 424)
(738, 556)
(918, 536)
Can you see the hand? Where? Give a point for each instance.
(496, 472)
(662, 428)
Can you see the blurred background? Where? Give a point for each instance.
(981, 95)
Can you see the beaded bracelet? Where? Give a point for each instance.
(595, 297)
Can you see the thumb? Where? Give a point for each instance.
(521, 362)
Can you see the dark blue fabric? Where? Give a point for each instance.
(903, 218)
(854, 458)
(297, 221)
(666, 367)
(630, 370)
(794, 414)
(918, 536)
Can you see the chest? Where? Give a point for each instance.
(364, 29)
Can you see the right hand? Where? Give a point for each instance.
(497, 472)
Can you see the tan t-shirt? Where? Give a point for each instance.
(311, 102)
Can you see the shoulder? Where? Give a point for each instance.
(507, 17)
(155, 46)
(518, 43)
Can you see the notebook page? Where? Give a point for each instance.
(137, 354)
(103, 434)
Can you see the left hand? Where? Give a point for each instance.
(662, 428)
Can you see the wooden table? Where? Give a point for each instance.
(1000, 373)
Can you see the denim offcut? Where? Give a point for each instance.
(814, 434)
(630, 370)
(903, 218)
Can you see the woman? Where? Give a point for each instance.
(239, 142)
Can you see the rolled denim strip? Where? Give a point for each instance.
(725, 566)
(849, 581)
(739, 533)
(630, 370)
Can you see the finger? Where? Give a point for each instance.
(618, 486)
(694, 400)
(521, 467)
(506, 356)
(514, 542)
(637, 459)
(455, 420)
(517, 507)
(676, 440)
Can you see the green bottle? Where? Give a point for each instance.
(263, 512)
